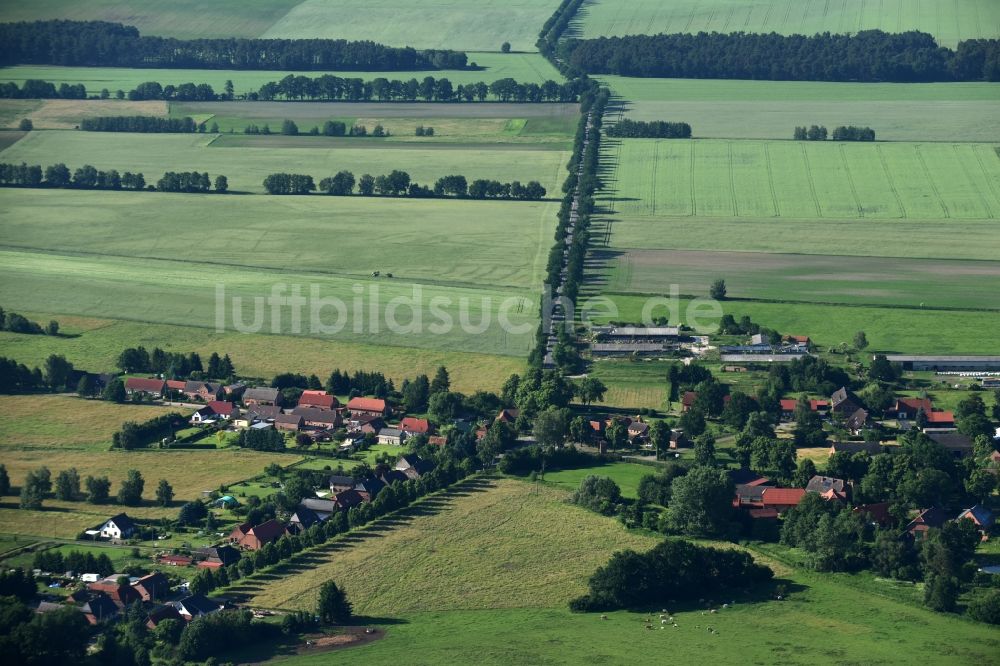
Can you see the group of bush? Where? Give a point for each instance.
(842, 133)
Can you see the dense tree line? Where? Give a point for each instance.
(656, 129)
(813, 133)
(429, 89)
(852, 133)
(674, 570)
(16, 323)
(76, 561)
(184, 181)
(145, 124)
(86, 177)
(36, 89)
(102, 44)
(554, 27)
(869, 55)
(134, 435)
(398, 183)
(185, 92)
(18, 378)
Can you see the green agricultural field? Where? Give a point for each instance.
(892, 330)
(924, 239)
(524, 67)
(184, 19)
(810, 277)
(892, 121)
(634, 90)
(950, 21)
(798, 179)
(490, 573)
(94, 344)
(457, 292)
(448, 24)
(246, 166)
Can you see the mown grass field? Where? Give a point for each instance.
(626, 475)
(448, 24)
(810, 277)
(69, 423)
(96, 343)
(715, 178)
(247, 166)
(950, 21)
(489, 575)
(900, 330)
(488, 546)
(184, 19)
(524, 67)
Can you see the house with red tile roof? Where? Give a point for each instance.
(781, 499)
(926, 520)
(414, 426)
(907, 408)
(154, 387)
(939, 420)
(368, 407)
(318, 400)
(258, 536)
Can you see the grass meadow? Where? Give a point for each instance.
(524, 67)
(716, 178)
(247, 164)
(491, 568)
(626, 475)
(950, 21)
(77, 433)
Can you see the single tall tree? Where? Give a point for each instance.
(333, 606)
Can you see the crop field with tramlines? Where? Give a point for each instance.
(950, 21)
(717, 178)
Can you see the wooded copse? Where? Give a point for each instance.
(869, 55)
(842, 133)
(145, 124)
(398, 183)
(652, 129)
(104, 44)
(673, 571)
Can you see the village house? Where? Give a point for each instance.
(117, 528)
(340, 483)
(508, 416)
(258, 536)
(174, 560)
(262, 396)
(843, 402)
(907, 408)
(152, 387)
(637, 430)
(412, 466)
(314, 417)
(153, 587)
(678, 440)
(217, 556)
(196, 605)
(789, 405)
(829, 488)
(981, 517)
(391, 436)
(347, 499)
(781, 499)
(246, 420)
(933, 518)
(414, 426)
(204, 391)
(368, 488)
(175, 387)
(292, 422)
(160, 614)
(960, 446)
(99, 608)
(876, 514)
(234, 392)
(858, 421)
(318, 400)
(368, 407)
(367, 424)
(940, 421)
(121, 593)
